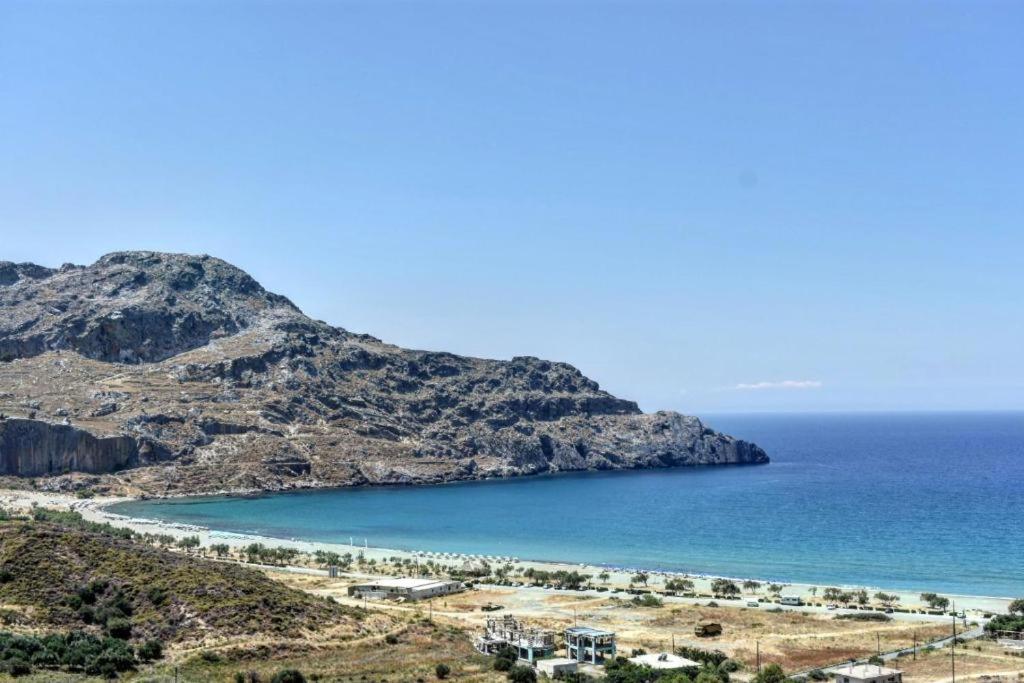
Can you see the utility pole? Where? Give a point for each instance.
(878, 644)
(915, 644)
(758, 644)
(952, 646)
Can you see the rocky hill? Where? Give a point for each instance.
(167, 373)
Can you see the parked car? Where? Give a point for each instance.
(831, 605)
(753, 603)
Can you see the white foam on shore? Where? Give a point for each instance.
(94, 510)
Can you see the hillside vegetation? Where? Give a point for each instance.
(57, 576)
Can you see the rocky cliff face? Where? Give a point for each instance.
(187, 376)
(35, 447)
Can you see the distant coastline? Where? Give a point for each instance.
(99, 510)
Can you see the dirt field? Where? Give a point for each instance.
(978, 661)
(794, 640)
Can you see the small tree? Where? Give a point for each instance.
(189, 543)
(751, 586)
(725, 588)
(604, 576)
(887, 599)
(831, 594)
(1016, 607)
(935, 601)
(641, 577)
(442, 671)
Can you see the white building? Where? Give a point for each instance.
(664, 660)
(556, 666)
(868, 673)
(407, 589)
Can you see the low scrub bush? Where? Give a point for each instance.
(864, 616)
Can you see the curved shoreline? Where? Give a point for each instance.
(95, 509)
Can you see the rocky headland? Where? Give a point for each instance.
(163, 374)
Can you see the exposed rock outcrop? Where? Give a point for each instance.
(184, 370)
(34, 447)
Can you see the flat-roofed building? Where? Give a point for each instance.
(557, 666)
(867, 673)
(407, 589)
(585, 644)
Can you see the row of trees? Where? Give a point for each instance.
(860, 597)
(77, 652)
(561, 578)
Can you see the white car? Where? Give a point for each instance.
(831, 606)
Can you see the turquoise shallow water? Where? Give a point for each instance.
(908, 501)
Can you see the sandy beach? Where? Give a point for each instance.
(94, 509)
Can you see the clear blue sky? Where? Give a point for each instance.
(704, 206)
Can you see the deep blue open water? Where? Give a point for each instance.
(901, 501)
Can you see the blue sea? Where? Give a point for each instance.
(901, 501)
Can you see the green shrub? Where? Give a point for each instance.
(864, 616)
(288, 676)
(505, 658)
(442, 671)
(770, 674)
(150, 650)
(116, 656)
(119, 627)
(712, 657)
(730, 665)
(647, 600)
(157, 596)
(521, 673)
(503, 664)
(16, 666)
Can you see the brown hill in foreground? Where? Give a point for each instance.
(59, 577)
(169, 373)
